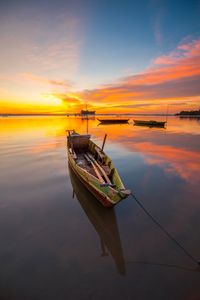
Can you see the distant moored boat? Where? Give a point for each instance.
(113, 121)
(150, 123)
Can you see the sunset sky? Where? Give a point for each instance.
(116, 56)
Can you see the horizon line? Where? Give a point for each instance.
(78, 114)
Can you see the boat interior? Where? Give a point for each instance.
(91, 158)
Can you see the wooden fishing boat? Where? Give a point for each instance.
(113, 121)
(104, 221)
(95, 169)
(150, 123)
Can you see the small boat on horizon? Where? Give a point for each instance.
(150, 123)
(113, 121)
(95, 169)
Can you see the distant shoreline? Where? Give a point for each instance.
(189, 113)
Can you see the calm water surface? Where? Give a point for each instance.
(57, 242)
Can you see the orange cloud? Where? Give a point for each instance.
(71, 102)
(175, 76)
(181, 63)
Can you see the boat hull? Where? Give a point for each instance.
(103, 199)
(107, 195)
(113, 121)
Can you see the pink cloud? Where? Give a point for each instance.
(172, 76)
(183, 62)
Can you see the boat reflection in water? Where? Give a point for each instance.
(103, 220)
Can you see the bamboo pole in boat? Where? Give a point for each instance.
(104, 140)
(99, 167)
(95, 169)
(100, 153)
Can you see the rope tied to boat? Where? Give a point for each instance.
(165, 231)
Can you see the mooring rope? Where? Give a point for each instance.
(165, 231)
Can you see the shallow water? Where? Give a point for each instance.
(57, 242)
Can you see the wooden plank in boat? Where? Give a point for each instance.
(99, 167)
(95, 169)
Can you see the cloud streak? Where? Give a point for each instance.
(42, 80)
(173, 76)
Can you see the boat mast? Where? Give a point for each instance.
(86, 117)
(167, 112)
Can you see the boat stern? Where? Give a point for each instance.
(124, 193)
